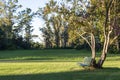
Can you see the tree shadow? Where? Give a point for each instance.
(47, 54)
(98, 74)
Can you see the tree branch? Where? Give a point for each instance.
(113, 39)
(81, 35)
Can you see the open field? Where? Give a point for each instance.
(54, 65)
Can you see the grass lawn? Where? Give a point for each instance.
(54, 65)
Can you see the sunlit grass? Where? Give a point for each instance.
(18, 68)
(54, 65)
(36, 67)
(112, 64)
(57, 71)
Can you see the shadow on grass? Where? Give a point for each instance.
(47, 54)
(100, 74)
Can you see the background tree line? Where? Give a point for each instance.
(68, 24)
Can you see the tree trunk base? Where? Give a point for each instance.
(93, 63)
(100, 63)
(97, 65)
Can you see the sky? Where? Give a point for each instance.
(37, 22)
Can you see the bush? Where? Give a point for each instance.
(113, 50)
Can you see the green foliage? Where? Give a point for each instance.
(13, 23)
(113, 49)
(37, 45)
(65, 24)
(55, 32)
(24, 23)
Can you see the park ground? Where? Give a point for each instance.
(54, 64)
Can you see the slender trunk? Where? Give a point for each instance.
(117, 45)
(107, 32)
(57, 39)
(105, 49)
(103, 55)
(93, 61)
(93, 46)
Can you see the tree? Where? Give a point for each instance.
(55, 25)
(48, 36)
(14, 22)
(26, 21)
(107, 29)
(115, 24)
(7, 19)
(24, 25)
(96, 18)
(63, 13)
(84, 25)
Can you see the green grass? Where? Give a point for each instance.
(49, 55)
(54, 65)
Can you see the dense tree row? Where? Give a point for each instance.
(92, 24)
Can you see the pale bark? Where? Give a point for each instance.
(106, 35)
(117, 45)
(91, 43)
(92, 46)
